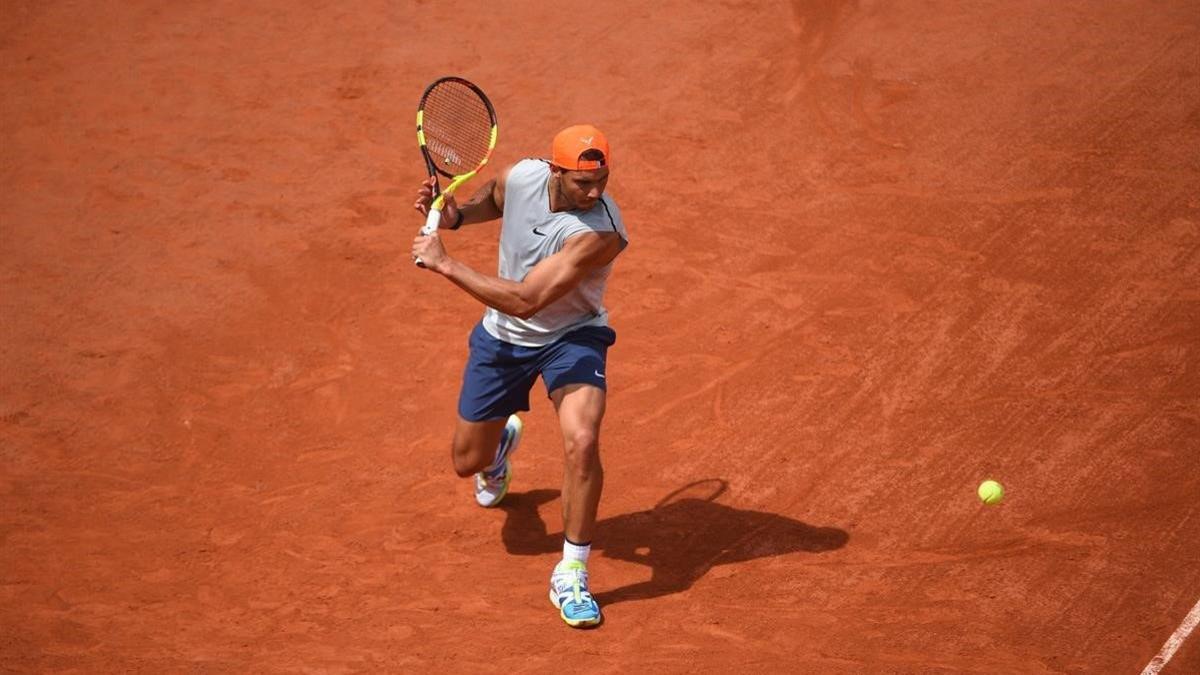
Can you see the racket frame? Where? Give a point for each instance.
(434, 218)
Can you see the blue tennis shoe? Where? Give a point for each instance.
(569, 593)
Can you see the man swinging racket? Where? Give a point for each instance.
(545, 316)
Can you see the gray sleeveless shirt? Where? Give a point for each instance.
(531, 233)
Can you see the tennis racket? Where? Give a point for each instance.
(456, 129)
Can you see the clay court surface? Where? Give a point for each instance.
(880, 252)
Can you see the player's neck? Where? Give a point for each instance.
(555, 193)
(558, 201)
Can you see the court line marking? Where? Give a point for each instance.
(1174, 642)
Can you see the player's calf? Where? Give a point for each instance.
(474, 446)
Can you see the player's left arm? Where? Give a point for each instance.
(485, 205)
(548, 281)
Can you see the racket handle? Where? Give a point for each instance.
(431, 222)
(431, 226)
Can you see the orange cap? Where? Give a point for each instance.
(572, 142)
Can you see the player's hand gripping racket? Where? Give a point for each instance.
(456, 128)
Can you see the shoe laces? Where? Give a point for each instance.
(572, 579)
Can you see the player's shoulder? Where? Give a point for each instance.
(602, 220)
(608, 205)
(593, 247)
(529, 166)
(604, 216)
(523, 174)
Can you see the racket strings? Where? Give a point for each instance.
(458, 128)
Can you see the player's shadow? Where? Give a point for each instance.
(680, 539)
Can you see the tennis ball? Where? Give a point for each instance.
(991, 492)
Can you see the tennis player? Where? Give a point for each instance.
(545, 316)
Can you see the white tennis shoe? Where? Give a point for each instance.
(491, 486)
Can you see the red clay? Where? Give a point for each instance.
(880, 252)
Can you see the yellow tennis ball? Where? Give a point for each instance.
(991, 492)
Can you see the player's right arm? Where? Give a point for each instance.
(486, 204)
(549, 280)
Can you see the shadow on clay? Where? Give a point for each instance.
(680, 539)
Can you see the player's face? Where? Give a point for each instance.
(582, 189)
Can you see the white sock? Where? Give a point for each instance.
(576, 551)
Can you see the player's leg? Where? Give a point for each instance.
(574, 372)
(475, 445)
(496, 383)
(580, 410)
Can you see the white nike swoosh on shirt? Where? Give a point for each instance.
(599, 374)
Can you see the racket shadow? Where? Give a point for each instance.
(680, 539)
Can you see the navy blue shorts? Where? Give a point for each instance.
(499, 375)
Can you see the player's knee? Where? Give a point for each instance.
(465, 459)
(462, 467)
(583, 450)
